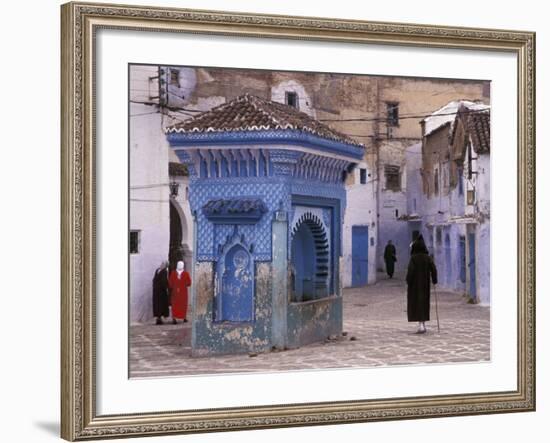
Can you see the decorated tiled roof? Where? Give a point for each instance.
(251, 113)
(479, 126)
(476, 125)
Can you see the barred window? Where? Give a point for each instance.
(392, 116)
(393, 177)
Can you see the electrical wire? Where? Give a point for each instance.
(471, 111)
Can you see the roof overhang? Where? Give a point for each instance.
(268, 138)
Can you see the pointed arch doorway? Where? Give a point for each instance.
(178, 249)
(310, 257)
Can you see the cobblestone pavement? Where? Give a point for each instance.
(376, 333)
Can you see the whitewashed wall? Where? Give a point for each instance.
(149, 193)
(360, 210)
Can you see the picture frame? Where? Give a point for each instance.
(80, 24)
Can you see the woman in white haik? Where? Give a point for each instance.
(178, 283)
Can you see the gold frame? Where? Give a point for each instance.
(79, 21)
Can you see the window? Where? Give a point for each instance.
(438, 235)
(470, 197)
(175, 77)
(392, 115)
(436, 181)
(291, 99)
(393, 177)
(460, 181)
(134, 242)
(363, 176)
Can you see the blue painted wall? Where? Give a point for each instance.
(241, 294)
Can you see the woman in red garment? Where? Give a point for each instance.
(178, 283)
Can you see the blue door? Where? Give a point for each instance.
(472, 263)
(448, 263)
(359, 255)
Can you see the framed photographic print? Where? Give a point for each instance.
(282, 221)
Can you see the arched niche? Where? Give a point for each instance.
(235, 281)
(309, 259)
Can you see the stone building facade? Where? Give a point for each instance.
(382, 113)
(401, 106)
(452, 189)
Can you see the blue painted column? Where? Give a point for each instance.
(280, 280)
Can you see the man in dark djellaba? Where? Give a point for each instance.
(390, 257)
(161, 301)
(420, 271)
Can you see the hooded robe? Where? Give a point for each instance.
(419, 273)
(160, 293)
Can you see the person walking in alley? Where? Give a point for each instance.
(178, 283)
(390, 257)
(420, 271)
(160, 293)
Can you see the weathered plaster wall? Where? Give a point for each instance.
(483, 240)
(419, 97)
(214, 338)
(354, 105)
(392, 205)
(361, 210)
(314, 321)
(448, 212)
(149, 194)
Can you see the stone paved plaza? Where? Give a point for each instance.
(376, 333)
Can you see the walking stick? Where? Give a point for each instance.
(436, 310)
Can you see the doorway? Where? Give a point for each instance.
(359, 255)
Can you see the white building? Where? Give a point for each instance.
(455, 199)
(360, 231)
(157, 218)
